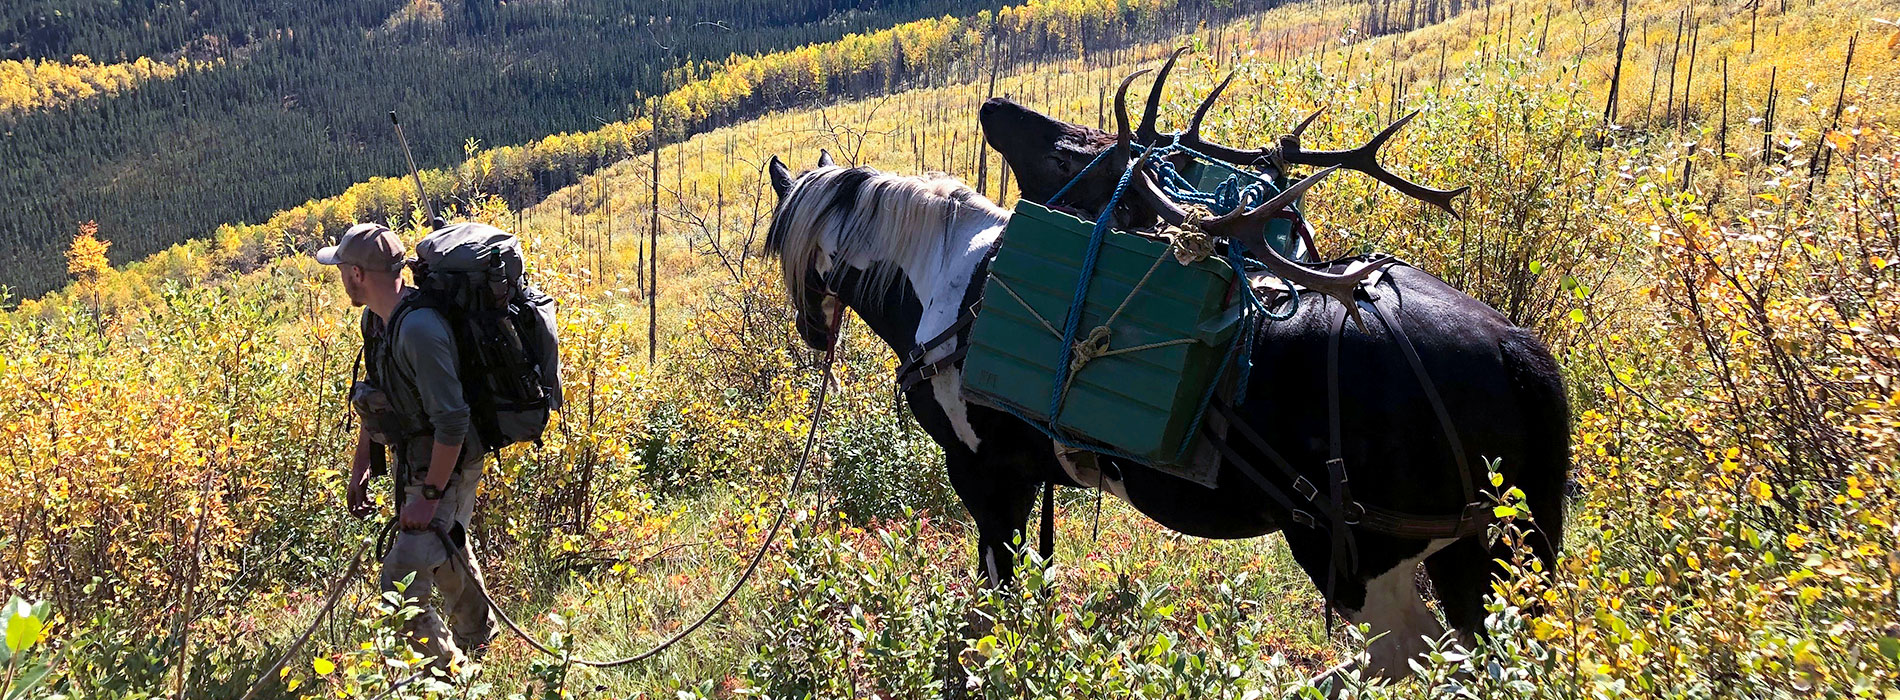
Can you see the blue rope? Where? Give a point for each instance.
(1229, 195)
(1226, 197)
(1233, 350)
(1230, 168)
(1081, 292)
(1138, 148)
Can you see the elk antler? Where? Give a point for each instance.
(1364, 159)
(1123, 138)
(1147, 135)
(1246, 225)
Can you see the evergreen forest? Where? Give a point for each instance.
(287, 100)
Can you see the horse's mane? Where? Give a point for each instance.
(903, 221)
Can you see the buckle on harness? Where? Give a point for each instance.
(1301, 517)
(1352, 512)
(1475, 511)
(1305, 489)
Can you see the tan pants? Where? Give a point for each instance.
(423, 554)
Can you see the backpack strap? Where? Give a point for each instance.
(386, 341)
(390, 331)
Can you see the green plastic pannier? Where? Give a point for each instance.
(1143, 402)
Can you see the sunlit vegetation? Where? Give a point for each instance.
(930, 50)
(287, 100)
(1718, 279)
(29, 85)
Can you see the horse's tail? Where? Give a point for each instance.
(1545, 474)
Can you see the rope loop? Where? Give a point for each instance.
(1189, 245)
(1086, 349)
(1188, 241)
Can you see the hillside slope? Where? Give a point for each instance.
(1727, 328)
(928, 51)
(286, 100)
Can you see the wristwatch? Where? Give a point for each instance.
(430, 492)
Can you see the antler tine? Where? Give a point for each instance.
(1365, 159)
(1149, 115)
(1122, 136)
(1194, 126)
(1308, 121)
(1192, 139)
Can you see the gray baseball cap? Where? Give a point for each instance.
(370, 246)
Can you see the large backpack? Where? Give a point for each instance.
(504, 329)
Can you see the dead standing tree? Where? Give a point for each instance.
(1616, 72)
(1823, 155)
(653, 250)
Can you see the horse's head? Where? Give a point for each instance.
(868, 239)
(1046, 153)
(806, 279)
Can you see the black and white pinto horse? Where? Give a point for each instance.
(907, 253)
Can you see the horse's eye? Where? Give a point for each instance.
(1061, 164)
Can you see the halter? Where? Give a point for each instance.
(830, 291)
(912, 370)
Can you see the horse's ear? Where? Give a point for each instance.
(781, 177)
(824, 159)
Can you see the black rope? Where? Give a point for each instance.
(459, 556)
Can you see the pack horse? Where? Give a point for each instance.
(1370, 407)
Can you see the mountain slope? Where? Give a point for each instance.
(1725, 326)
(294, 103)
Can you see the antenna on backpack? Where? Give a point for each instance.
(435, 222)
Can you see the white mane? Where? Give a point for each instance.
(860, 216)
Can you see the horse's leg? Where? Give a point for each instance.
(1461, 575)
(1388, 603)
(999, 500)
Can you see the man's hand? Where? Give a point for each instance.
(418, 514)
(357, 493)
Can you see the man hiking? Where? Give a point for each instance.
(412, 401)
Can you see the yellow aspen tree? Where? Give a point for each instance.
(86, 259)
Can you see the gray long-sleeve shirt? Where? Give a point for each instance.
(425, 352)
(425, 356)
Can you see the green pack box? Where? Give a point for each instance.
(1141, 402)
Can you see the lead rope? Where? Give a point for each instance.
(329, 603)
(459, 557)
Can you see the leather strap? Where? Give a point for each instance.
(1272, 491)
(1299, 484)
(916, 375)
(1397, 331)
(913, 369)
(1046, 539)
